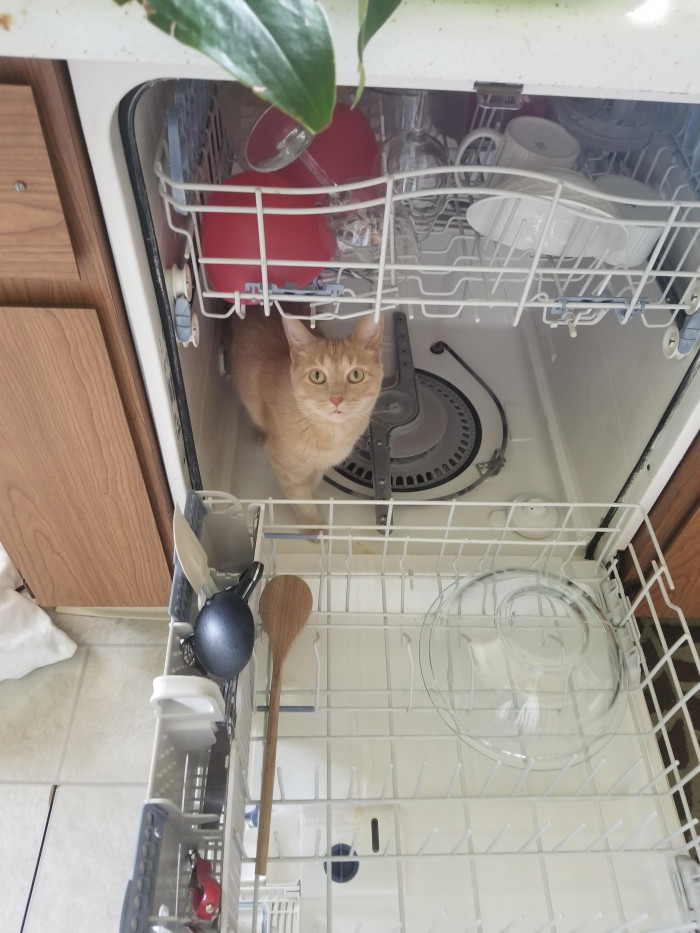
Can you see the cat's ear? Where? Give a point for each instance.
(298, 337)
(369, 333)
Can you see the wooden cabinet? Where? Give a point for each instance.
(675, 518)
(34, 240)
(85, 511)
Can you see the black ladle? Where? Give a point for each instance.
(224, 630)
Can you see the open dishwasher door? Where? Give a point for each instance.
(413, 784)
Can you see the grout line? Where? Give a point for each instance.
(127, 614)
(74, 709)
(125, 644)
(143, 784)
(14, 782)
(52, 797)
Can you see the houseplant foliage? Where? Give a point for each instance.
(282, 49)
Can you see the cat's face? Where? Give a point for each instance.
(336, 379)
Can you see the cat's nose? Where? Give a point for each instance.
(336, 400)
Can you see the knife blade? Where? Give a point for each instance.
(217, 777)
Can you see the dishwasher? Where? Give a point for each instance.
(541, 327)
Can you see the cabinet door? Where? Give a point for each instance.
(675, 518)
(34, 240)
(683, 559)
(74, 512)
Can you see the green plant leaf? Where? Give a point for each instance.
(282, 49)
(373, 15)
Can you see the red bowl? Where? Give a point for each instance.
(345, 151)
(232, 235)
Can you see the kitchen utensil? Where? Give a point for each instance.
(285, 606)
(192, 556)
(523, 666)
(230, 234)
(345, 151)
(216, 783)
(217, 776)
(416, 151)
(189, 708)
(224, 630)
(263, 138)
(226, 536)
(517, 214)
(641, 239)
(205, 890)
(527, 142)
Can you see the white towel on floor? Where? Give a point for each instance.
(28, 637)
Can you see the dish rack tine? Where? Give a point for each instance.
(591, 920)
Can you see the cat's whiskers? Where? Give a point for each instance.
(311, 417)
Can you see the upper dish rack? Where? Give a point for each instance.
(506, 242)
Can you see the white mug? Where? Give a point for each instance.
(528, 142)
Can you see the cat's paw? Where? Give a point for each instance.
(309, 517)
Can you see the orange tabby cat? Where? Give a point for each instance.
(311, 396)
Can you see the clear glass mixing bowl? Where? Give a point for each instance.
(523, 666)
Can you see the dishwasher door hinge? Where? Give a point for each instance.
(494, 96)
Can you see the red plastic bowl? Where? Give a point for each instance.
(345, 150)
(231, 235)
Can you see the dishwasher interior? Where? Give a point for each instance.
(566, 298)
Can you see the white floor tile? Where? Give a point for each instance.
(87, 860)
(36, 715)
(111, 739)
(24, 809)
(96, 630)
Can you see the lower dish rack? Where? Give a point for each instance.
(383, 819)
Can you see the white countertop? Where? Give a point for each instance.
(622, 48)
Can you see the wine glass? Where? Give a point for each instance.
(359, 235)
(416, 151)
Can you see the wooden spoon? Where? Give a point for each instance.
(285, 606)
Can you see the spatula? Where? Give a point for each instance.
(192, 556)
(285, 606)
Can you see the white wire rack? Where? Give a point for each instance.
(568, 279)
(444, 838)
(437, 836)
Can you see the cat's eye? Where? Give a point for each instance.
(317, 376)
(356, 375)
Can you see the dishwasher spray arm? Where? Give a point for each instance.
(399, 406)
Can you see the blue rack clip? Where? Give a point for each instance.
(563, 302)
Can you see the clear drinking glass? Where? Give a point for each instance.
(416, 150)
(359, 240)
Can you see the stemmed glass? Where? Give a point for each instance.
(416, 150)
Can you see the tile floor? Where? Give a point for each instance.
(75, 749)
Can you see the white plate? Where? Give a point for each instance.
(582, 225)
(646, 221)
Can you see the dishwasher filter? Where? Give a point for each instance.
(383, 819)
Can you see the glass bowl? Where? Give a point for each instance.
(523, 666)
